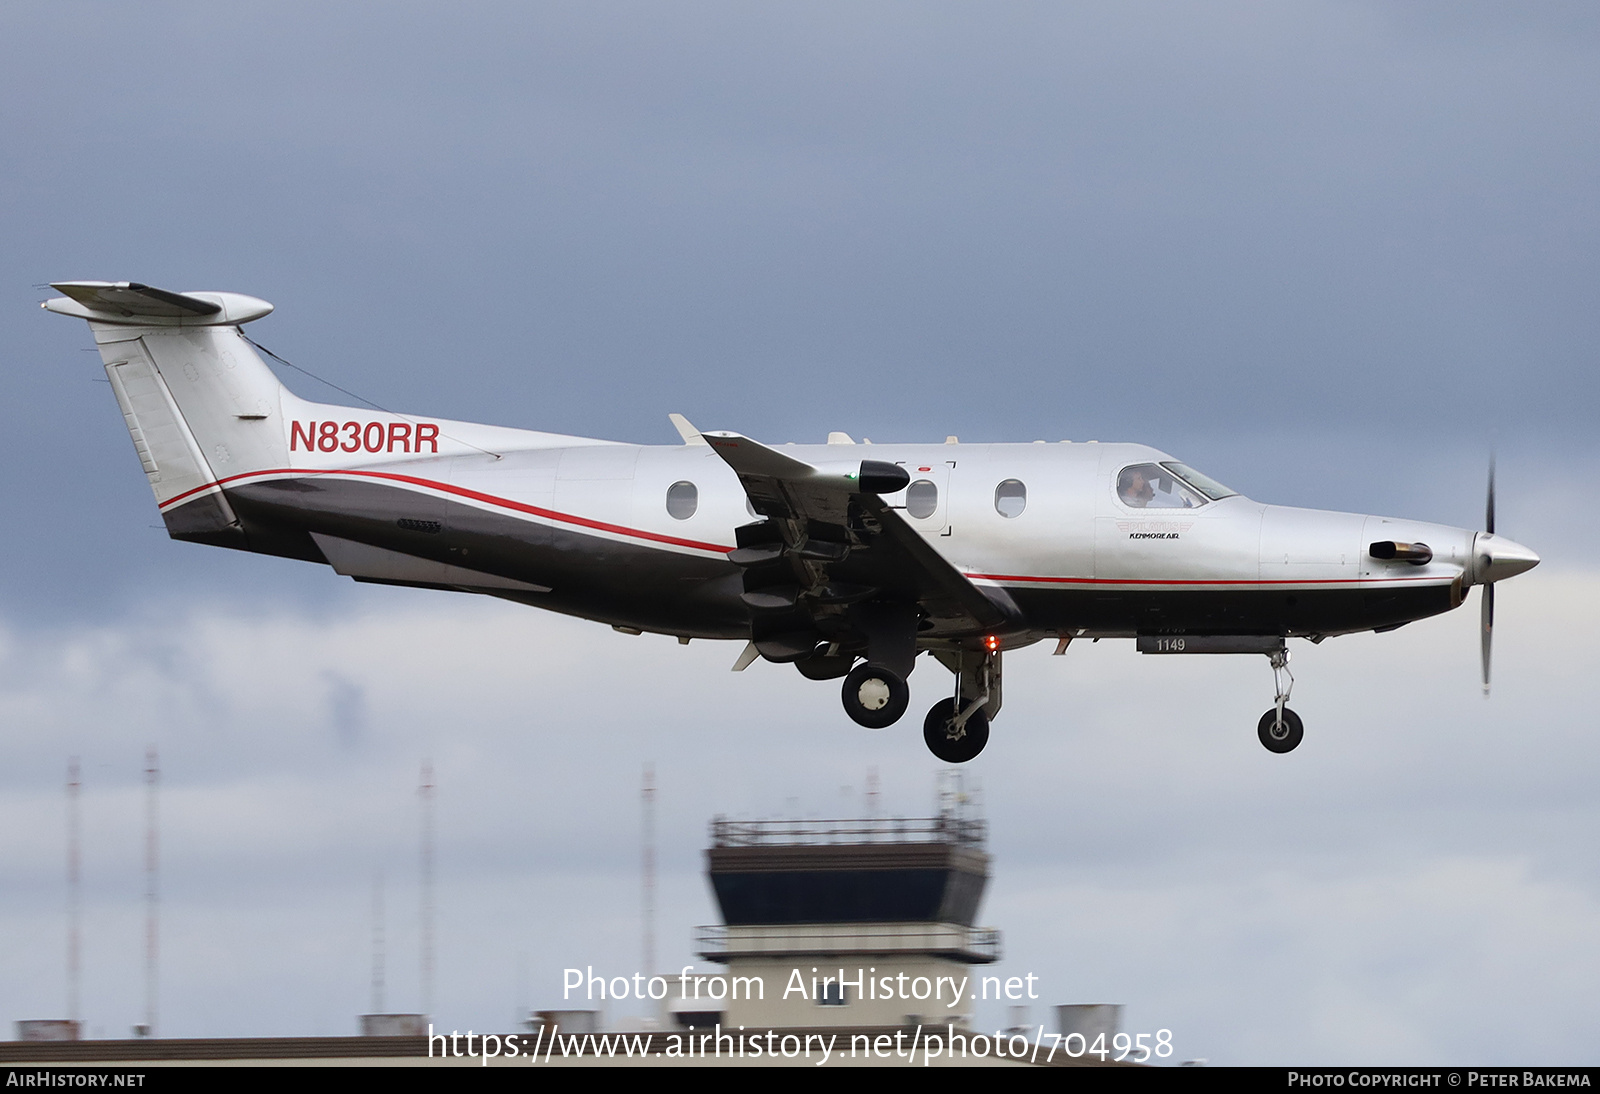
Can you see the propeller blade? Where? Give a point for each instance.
(1488, 509)
(1486, 633)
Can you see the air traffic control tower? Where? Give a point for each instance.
(872, 918)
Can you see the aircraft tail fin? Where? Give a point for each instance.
(200, 404)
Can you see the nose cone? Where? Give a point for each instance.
(1496, 558)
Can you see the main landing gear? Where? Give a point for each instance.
(875, 696)
(1280, 728)
(957, 728)
(952, 740)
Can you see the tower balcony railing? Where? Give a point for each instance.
(947, 828)
(977, 945)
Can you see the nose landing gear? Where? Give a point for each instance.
(1280, 734)
(1280, 728)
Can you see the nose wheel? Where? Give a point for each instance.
(1280, 728)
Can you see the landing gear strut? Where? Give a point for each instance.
(1280, 728)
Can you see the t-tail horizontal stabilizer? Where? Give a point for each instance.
(132, 303)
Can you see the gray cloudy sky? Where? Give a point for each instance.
(1325, 252)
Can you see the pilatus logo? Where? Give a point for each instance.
(1154, 529)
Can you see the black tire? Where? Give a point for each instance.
(1280, 738)
(874, 696)
(969, 741)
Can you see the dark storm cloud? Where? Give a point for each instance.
(1134, 215)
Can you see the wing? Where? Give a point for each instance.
(828, 544)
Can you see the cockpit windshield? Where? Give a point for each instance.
(1211, 488)
(1167, 485)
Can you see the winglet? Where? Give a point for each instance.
(778, 485)
(689, 433)
(749, 457)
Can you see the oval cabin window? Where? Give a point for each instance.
(1010, 498)
(922, 498)
(682, 500)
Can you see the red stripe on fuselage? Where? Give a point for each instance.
(475, 495)
(656, 537)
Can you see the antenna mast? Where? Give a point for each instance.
(425, 792)
(74, 857)
(152, 906)
(647, 796)
(377, 944)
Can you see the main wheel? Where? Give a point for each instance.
(952, 745)
(1280, 736)
(874, 697)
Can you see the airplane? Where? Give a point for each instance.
(847, 561)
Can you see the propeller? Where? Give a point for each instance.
(1486, 605)
(1494, 558)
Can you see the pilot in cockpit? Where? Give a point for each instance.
(1134, 488)
(1150, 486)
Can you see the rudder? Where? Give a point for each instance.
(200, 404)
